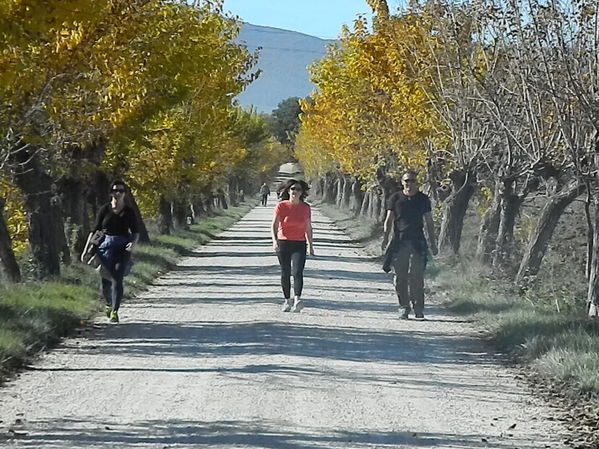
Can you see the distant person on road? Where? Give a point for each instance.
(291, 236)
(407, 210)
(264, 192)
(119, 224)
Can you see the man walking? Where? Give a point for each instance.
(265, 192)
(407, 210)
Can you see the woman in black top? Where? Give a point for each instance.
(119, 224)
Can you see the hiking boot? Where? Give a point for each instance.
(404, 313)
(297, 305)
(107, 311)
(114, 317)
(287, 305)
(419, 316)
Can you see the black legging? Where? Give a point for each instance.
(292, 258)
(112, 290)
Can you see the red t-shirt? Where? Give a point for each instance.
(293, 220)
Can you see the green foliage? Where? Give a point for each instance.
(284, 121)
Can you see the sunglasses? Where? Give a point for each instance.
(118, 190)
(299, 189)
(409, 180)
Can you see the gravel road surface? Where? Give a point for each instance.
(205, 358)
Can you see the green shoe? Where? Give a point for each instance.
(114, 317)
(107, 310)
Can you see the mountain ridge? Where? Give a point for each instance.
(284, 58)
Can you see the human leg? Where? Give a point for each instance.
(284, 256)
(118, 277)
(401, 261)
(298, 263)
(416, 280)
(106, 289)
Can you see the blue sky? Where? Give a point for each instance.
(320, 18)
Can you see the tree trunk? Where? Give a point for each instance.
(356, 196)
(198, 207)
(222, 199)
(209, 204)
(590, 228)
(101, 189)
(36, 186)
(388, 186)
(487, 234)
(593, 286)
(166, 217)
(10, 267)
(233, 191)
(454, 211)
(376, 204)
(329, 188)
(510, 208)
(180, 214)
(73, 193)
(550, 215)
(144, 236)
(317, 188)
(57, 221)
(340, 183)
(371, 203)
(347, 192)
(365, 206)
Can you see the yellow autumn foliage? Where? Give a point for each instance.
(373, 105)
(14, 214)
(146, 86)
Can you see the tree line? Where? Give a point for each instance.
(93, 90)
(493, 100)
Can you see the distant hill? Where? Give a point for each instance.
(284, 59)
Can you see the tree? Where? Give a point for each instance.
(284, 121)
(85, 82)
(371, 113)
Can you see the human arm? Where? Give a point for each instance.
(133, 228)
(274, 229)
(134, 238)
(309, 234)
(387, 226)
(430, 229)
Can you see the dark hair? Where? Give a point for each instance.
(410, 172)
(284, 189)
(118, 182)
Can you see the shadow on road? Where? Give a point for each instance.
(256, 433)
(218, 339)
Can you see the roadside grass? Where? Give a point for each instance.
(36, 315)
(543, 328)
(556, 340)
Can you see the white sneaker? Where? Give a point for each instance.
(297, 305)
(286, 306)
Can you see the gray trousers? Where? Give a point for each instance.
(408, 264)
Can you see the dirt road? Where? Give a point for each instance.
(205, 358)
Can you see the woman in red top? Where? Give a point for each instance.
(291, 229)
